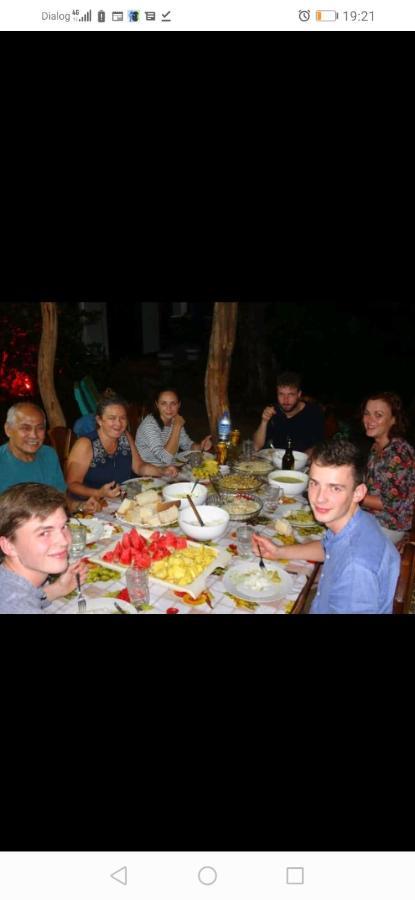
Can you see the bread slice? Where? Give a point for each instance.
(146, 497)
(125, 506)
(168, 516)
(163, 506)
(147, 513)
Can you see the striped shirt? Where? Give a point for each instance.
(151, 440)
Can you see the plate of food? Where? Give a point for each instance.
(265, 454)
(99, 529)
(240, 505)
(314, 532)
(253, 467)
(143, 484)
(249, 581)
(184, 567)
(101, 606)
(149, 510)
(292, 503)
(183, 456)
(300, 517)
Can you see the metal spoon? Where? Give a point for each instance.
(198, 517)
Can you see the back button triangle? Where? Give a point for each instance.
(120, 875)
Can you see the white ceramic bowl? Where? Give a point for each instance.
(219, 519)
(301, 459)
(278, 476)
(181, 488)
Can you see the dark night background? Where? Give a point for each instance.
(344, 349)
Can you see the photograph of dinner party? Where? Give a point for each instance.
(196, 456)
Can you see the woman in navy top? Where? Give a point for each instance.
(99, 462)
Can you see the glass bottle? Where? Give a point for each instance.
(288, 461)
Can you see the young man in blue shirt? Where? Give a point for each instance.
(361, 565)
(25, 458)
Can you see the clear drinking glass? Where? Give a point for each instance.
(138, 586)
(271, 499)
(248, 449)
(77, 550)
(244, 540)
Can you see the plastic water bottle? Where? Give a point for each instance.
(224, 426)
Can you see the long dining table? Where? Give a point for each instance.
(214, 599)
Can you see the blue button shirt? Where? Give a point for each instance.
(360, 571)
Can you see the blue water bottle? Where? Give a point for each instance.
(224, 426)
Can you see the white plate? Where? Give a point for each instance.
(99, 530)
(184, 455)
(145, 483)
(101, 606)
(222, 559)
(297, 523)
(285, 509)
(265, 454)
(306, 538)
(274, 592)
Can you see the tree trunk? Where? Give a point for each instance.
(256, 358)
(46, 365)
(222, 340)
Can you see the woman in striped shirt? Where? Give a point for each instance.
(162, 433)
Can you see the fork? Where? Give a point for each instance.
(261, 561)
(81, 599)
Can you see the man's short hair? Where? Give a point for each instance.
(21, 502)
(339, 452)
(289, 379)
(11, 413)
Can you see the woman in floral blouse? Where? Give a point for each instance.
(391, 465)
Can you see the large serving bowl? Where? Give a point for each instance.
(231, 500)
(179, 490)
(215, 518)
(292, 483)
(301, 459)
(256, 466)
(236, 481)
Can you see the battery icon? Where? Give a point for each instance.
(326, 15)
(101, 15)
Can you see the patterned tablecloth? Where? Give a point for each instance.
(163, 600)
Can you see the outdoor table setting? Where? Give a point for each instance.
(217, 576)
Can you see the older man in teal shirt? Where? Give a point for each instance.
(25, 458)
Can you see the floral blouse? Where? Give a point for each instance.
(391, 477)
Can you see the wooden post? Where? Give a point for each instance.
(222, 340)
(46, 365)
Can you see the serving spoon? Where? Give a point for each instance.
(198, 517)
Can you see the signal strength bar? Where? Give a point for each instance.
(87, 17)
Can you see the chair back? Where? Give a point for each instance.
(90, 393)
(406, 581)
(88, 384)
(136, 414)
(80, 399)
(62, 440)
(302, 599)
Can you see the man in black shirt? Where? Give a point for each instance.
(291, 418)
